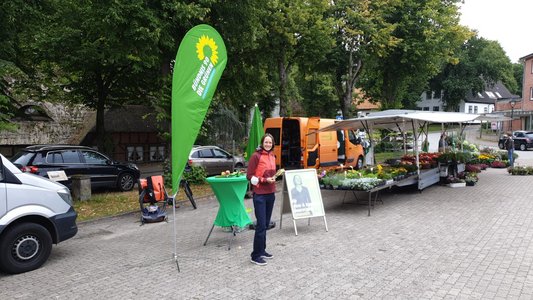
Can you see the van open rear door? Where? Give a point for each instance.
(310, 155)
(274, 127)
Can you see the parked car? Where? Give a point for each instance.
(74, 160)
(522, 140)
(34, 214)
(215, 160)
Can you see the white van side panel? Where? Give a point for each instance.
(26, 210)
(23, 195)
(3, 199)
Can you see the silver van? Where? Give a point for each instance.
(34, 214)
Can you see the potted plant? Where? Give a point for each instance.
(471, 178)
(455, 181)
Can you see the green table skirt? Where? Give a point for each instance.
(230, 192)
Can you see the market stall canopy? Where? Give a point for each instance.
(395, 118)
(493, 117)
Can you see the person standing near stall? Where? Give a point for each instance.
(442, 143)
(261, 173)
(509, 145)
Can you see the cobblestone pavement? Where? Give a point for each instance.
(441, 243)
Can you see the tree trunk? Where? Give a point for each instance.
(351, 78)
(282, 88)
(100, 111)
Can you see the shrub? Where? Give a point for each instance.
(196, 175)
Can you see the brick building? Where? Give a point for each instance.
(521, 109)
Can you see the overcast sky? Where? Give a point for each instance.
(507, 21)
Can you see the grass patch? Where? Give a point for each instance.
(111, 203)
(383, 156)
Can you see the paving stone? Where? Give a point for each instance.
(441, 243)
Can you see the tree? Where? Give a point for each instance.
(109, 51)
(361, 31)
(481, 63)
(18, 20)
(429, 34)
(518, 74)
(298, 33)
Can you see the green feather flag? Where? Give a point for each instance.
(255, 135)
(200, 61)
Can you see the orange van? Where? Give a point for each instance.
(295, 148)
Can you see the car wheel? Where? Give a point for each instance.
(500, 144)
(126, 182)
(359, 164)
(24, 247)
(239, 166)
(523, 147)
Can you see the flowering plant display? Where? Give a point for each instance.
(453, 179)
(498, 164)
(520, 170)
(364, 179)
(474, 168)
(471, 177)
(426, 160)
(485, 158)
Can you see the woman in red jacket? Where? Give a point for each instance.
(261, 171)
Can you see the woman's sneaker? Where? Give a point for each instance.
(267, 256)
(258, 261)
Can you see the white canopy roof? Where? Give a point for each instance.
(398, 118)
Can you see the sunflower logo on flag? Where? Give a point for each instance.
(208, 42)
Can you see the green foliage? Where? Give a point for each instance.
(298, 33)
(455, 156)
(429, 33)
(361, 32)
(318, 95)
(196, 175)
(520, 170)
(481, 64)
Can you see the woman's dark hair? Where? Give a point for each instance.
(297, 177)
(263, 140)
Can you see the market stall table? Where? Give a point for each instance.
(375, 190)
(230, 192)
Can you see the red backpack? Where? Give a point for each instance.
(154, 189)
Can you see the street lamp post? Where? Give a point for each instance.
(512, 103)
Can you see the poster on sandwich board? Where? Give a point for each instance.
(301, 196)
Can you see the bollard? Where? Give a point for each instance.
(81, 187)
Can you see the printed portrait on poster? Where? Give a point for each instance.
(304, 193)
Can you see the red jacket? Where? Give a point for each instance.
(262, 165)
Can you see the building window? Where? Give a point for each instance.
(135, 153)
(469, 109)
(485, 109)
(475, 109)
(531, 93)
(435, 108)
(426, 108)
(157, 153)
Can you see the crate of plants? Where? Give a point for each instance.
(361, 180)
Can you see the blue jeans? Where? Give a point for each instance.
(510, 155)
(263, 205)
